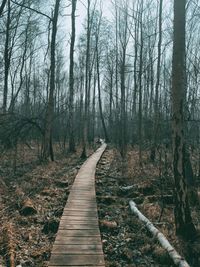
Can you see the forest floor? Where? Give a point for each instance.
(33, 196)
(126, 242)
(32, 199)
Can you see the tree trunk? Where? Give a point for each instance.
(99, 93)
(123, 107)
(84, 153)
(156, 106)
(47, 144)
(2, 6)
(140, 86)
(6, 59)
(71, 82)
(183, 220)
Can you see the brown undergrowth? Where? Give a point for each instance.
(151, 187)
(32, 198)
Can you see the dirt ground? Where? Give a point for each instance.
(33, 195)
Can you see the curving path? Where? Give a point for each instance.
(78, 241)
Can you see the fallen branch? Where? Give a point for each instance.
(9, 244)
(177, 259)
(127, 188)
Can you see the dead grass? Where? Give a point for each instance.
(47, 186)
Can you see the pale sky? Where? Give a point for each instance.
(81, 12)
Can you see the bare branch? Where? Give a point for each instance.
(2, 6)
(32, 9)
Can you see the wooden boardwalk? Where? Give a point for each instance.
(78, 241)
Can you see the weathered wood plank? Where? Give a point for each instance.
(70, 260)
(78, 233)
(80, 213)
(91, 223)
(78, 241)
(77, 249)
(82, 198)
(70, 240)
(77, 227)
(75, 219)
(79, 209)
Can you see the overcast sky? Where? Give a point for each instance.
(81, 12)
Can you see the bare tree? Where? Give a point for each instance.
(71, 81)
(156, 104)
(87, 62)
(47, 150)
(6, 58)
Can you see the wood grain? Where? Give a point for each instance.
(78, 241)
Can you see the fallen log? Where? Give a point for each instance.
(28, 208)
(108, 224)
(177, 259)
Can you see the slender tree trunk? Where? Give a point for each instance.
(3, 4)
(140, 85)
(123, 107)
(84, 153)
(116, 138)
(6, 59)
(156, 106)
(99, 93)
(47, 144)
(94, 106)
(183, 220)
(71, 81)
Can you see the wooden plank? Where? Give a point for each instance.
(83, 193)
(77, 249)
(79, 209)
(78, 241)
(81, 203)
(67, 222)
(91, 223)
(80, 213)
(79, 194)
(78, 233)
(77, 226)
(70, 240)
(79, 206)
(70, 260)
(82, 207)
(79, 218)
(82, 187)
(82, 198)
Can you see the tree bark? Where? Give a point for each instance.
(84, 153)
(6, 59)
(99, 93)
(156, 106)
(140, 85)
(177, 259)
(47, 144)
(71, 81)
(183, 219)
